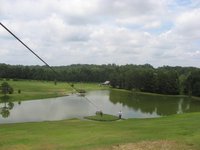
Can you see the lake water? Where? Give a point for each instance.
(110, 102)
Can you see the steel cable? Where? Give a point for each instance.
(56, 73)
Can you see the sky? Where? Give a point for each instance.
(64, 32)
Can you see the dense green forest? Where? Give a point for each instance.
(146, 78)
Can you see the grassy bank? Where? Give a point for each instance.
(47, 89)
(183, 130)
(42, 89)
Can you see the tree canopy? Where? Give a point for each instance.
(164, 80)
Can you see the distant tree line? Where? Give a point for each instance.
(163, 80)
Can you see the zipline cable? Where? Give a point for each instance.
(28, 48)
(42, 60)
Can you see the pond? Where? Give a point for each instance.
(110, 102)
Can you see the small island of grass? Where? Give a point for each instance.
(104, 117)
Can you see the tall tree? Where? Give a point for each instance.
(6, 88)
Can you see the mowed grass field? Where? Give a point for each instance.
(31, 90)
(180, 132)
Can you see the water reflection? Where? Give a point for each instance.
(5, 106)
(110, 102)
(161, 105)
(49, 109)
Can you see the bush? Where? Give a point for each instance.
(19, 91)
(10, 90)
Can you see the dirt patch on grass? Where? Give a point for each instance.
(16, 147)
(151, 145)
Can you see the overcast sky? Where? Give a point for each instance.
(64, 32)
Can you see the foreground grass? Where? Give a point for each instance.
(183, 129)
(42, 89)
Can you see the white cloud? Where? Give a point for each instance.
(64, 32)
(154, 24)
(187, 24)
(192, 54)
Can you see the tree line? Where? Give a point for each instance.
(146, 78)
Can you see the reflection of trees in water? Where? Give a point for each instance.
(162, 105)
(5, 106)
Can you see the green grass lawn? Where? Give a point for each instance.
(31, 90)
(83, 134)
